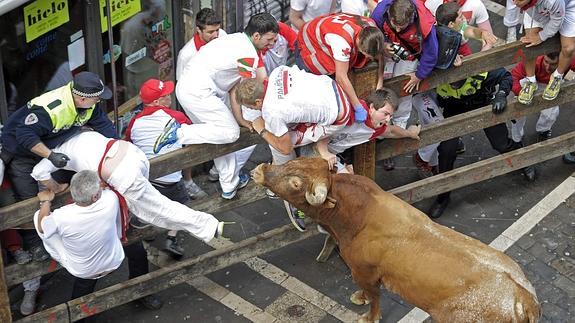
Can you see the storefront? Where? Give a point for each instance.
(43, 43)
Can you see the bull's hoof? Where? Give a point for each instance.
(365, 319)
(358, 299)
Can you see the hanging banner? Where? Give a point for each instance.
(41, 16)
(121, 10)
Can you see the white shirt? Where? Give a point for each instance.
(87, 156)
(356, 134)
(85, 240)
(187, 52)
(225, 60)
(145, 130)
(311, 8)
(294, 96)
(355, 7)
(473, 10)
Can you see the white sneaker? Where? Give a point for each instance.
(213, 174)
(511, 35)
(194, 191)
(28, 304)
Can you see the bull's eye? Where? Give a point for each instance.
(295, 182)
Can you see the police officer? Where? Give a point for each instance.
(47, 121)
(470, 94)
(31, 132)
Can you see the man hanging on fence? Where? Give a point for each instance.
(542, 20)
(126, 168)
(466, 95)
(84, 237)
(544, 67)
(208, 81)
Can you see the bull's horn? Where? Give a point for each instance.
(319, 195)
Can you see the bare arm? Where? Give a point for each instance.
(397, 132)
(41, 150)
(380, 71)
(486, 26)
(324, 152)
(479, 34)
(296, 18)
(282, 144)
(341, 77)
(45, 198)
(237, 110)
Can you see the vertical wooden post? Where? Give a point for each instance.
(5, 315)
(364, 83)
(364, 155)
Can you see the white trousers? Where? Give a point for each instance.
(428, 112)
(148, 204)
(512, 14)
(401, 115)
(546, 120)
(213, 123)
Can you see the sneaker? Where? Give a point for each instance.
(28, 304)
(39, 254)
(437, 208)
(271, 194)
(527, 92)
(173, 248)
(168, 136)
(220, 230)
(194, 191)
(213, 174)
(543, 135)
(530, 173)
(21, 256)
(424, 170)
(151, 302)
(244, 179)
(460, 146)
(136, 223)
(569, 158)
(388, 164)
(296, 216)
(552, 89)
(511, 35)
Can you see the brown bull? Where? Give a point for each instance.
(385, 241)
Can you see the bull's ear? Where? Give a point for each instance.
(329, 203)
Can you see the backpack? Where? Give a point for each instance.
(448, 41)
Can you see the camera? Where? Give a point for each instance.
(399, 53)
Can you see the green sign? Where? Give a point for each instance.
(41, 16)
(121, 10)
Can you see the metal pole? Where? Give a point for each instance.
(112, 66)
(3, 98)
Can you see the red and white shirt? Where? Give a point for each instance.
(331, 37)
(146, 126)
(296, 97)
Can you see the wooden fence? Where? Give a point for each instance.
(364, 163)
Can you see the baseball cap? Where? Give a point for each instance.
(154, 89)
(89, 85)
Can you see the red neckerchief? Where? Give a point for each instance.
(529, 5)
(124, 214)
(376, 131)
(198, 41)
(459, 2)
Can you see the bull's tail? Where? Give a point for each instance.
(527, 308)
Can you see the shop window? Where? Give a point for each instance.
(42, 45)
(144, 43)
